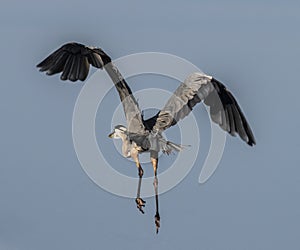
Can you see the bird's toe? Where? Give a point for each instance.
(140, 204)
(157, 222)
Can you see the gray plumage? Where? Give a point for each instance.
(73, 60)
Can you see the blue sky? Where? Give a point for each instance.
(251, 202)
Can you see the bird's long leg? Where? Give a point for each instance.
(154, 161)
(139, 201)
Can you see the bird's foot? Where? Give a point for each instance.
(140, 204)
(157, 222)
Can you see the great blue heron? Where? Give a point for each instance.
(74, 59)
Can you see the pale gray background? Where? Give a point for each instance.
(251, 202)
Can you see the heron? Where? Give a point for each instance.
(73, 61)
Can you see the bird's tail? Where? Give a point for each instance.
(168, 147)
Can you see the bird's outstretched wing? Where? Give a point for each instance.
(74, 59)
(224, 109)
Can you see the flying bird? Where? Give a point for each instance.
(73, 61)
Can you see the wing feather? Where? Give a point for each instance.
(73, 60)
(224, 109)
(66, 69)
(84, 70)
(58, 66)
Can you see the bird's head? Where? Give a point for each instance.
(118, 132)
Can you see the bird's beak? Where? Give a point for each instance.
(111, 135)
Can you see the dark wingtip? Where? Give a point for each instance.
(63, 78)
(40, 66)
(73, 78)
(251, 142)
(66, 60)
(239, 125)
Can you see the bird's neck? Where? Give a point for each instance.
(126, 145)
(123, 137)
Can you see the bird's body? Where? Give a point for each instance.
(146, 142)
(140, 135)
(130, 142)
